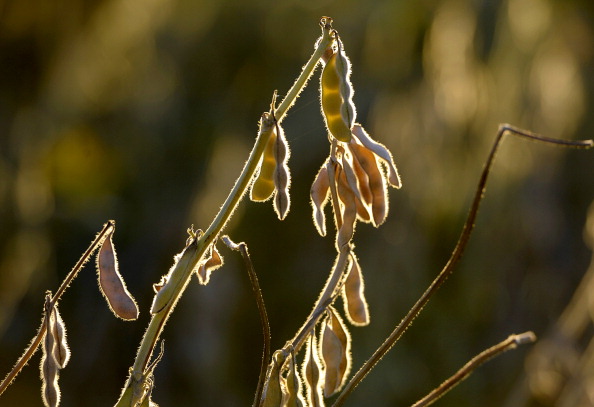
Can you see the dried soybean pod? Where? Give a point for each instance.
(368, 163)
(356, 308)
(380, 151)
(263, 186)
(61, 349)
(336, 353)
(282, 178)
(272, 394)
(312, 372)
(336, 95)
(50, 391)
(214, 261)
(319, 193)
(349, 211)
(112, 285)
(292, 396)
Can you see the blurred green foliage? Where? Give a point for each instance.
(145, 111)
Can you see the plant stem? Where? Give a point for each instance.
(34, 344)
(456, 253)
(180, 276)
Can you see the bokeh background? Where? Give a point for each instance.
(144, 112)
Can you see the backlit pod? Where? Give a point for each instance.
(263, 186)
(337, 95)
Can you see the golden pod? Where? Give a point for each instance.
(272, 394)
(292, 396)
(312, 370)
(348, 210)
(336, 96)
(112, 285)
(207, 266)
(263, 186)
(356, 308)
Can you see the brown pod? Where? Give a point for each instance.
(292, 396)
(353, 295)
(336, 353)
(348, 211)
(272, 394)
(61, 349)
(281, 176)
(112, 285)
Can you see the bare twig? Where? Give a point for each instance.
(242, 248)
(510, 343)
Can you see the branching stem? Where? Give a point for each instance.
(455, 256)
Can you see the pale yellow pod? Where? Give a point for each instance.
(312, 371)
(263, 186)
(353, 295)
(112, 285)
(319, 194)
(210, 264)
(367, 162)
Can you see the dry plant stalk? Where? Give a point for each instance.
(354, 178)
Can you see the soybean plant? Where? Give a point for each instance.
(315, 364)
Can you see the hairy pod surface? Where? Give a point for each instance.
(292, 396)
(61, 350)
(50, 391)
(272, 394)
(282, 178)
(336, 95)
(319, 193)
(112, 285)
(336, 353)
(353, 294)
(312, 372)
(263, 186)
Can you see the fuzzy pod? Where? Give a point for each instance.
(213, 262)
(380, 151)
(364, 210)
(292, 395)
(61, 350)
(312, 372)
(353, 295)
(281, 176)
(366, 162)
(111, 284)
(337, 95)
(348, 211)
(272, 394)
(336, 353)
(263, 186)
(49, 370)
(319, 194)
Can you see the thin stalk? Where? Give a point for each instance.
(455, 256)
(512, 342)
(181, 276)
(34, 344)
(242, 248)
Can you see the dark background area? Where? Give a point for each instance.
(145, 111)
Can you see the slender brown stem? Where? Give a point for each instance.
(455, 256)
(34, 344)
(512, 342)
(242, 248)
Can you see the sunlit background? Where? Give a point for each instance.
(144, 112)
